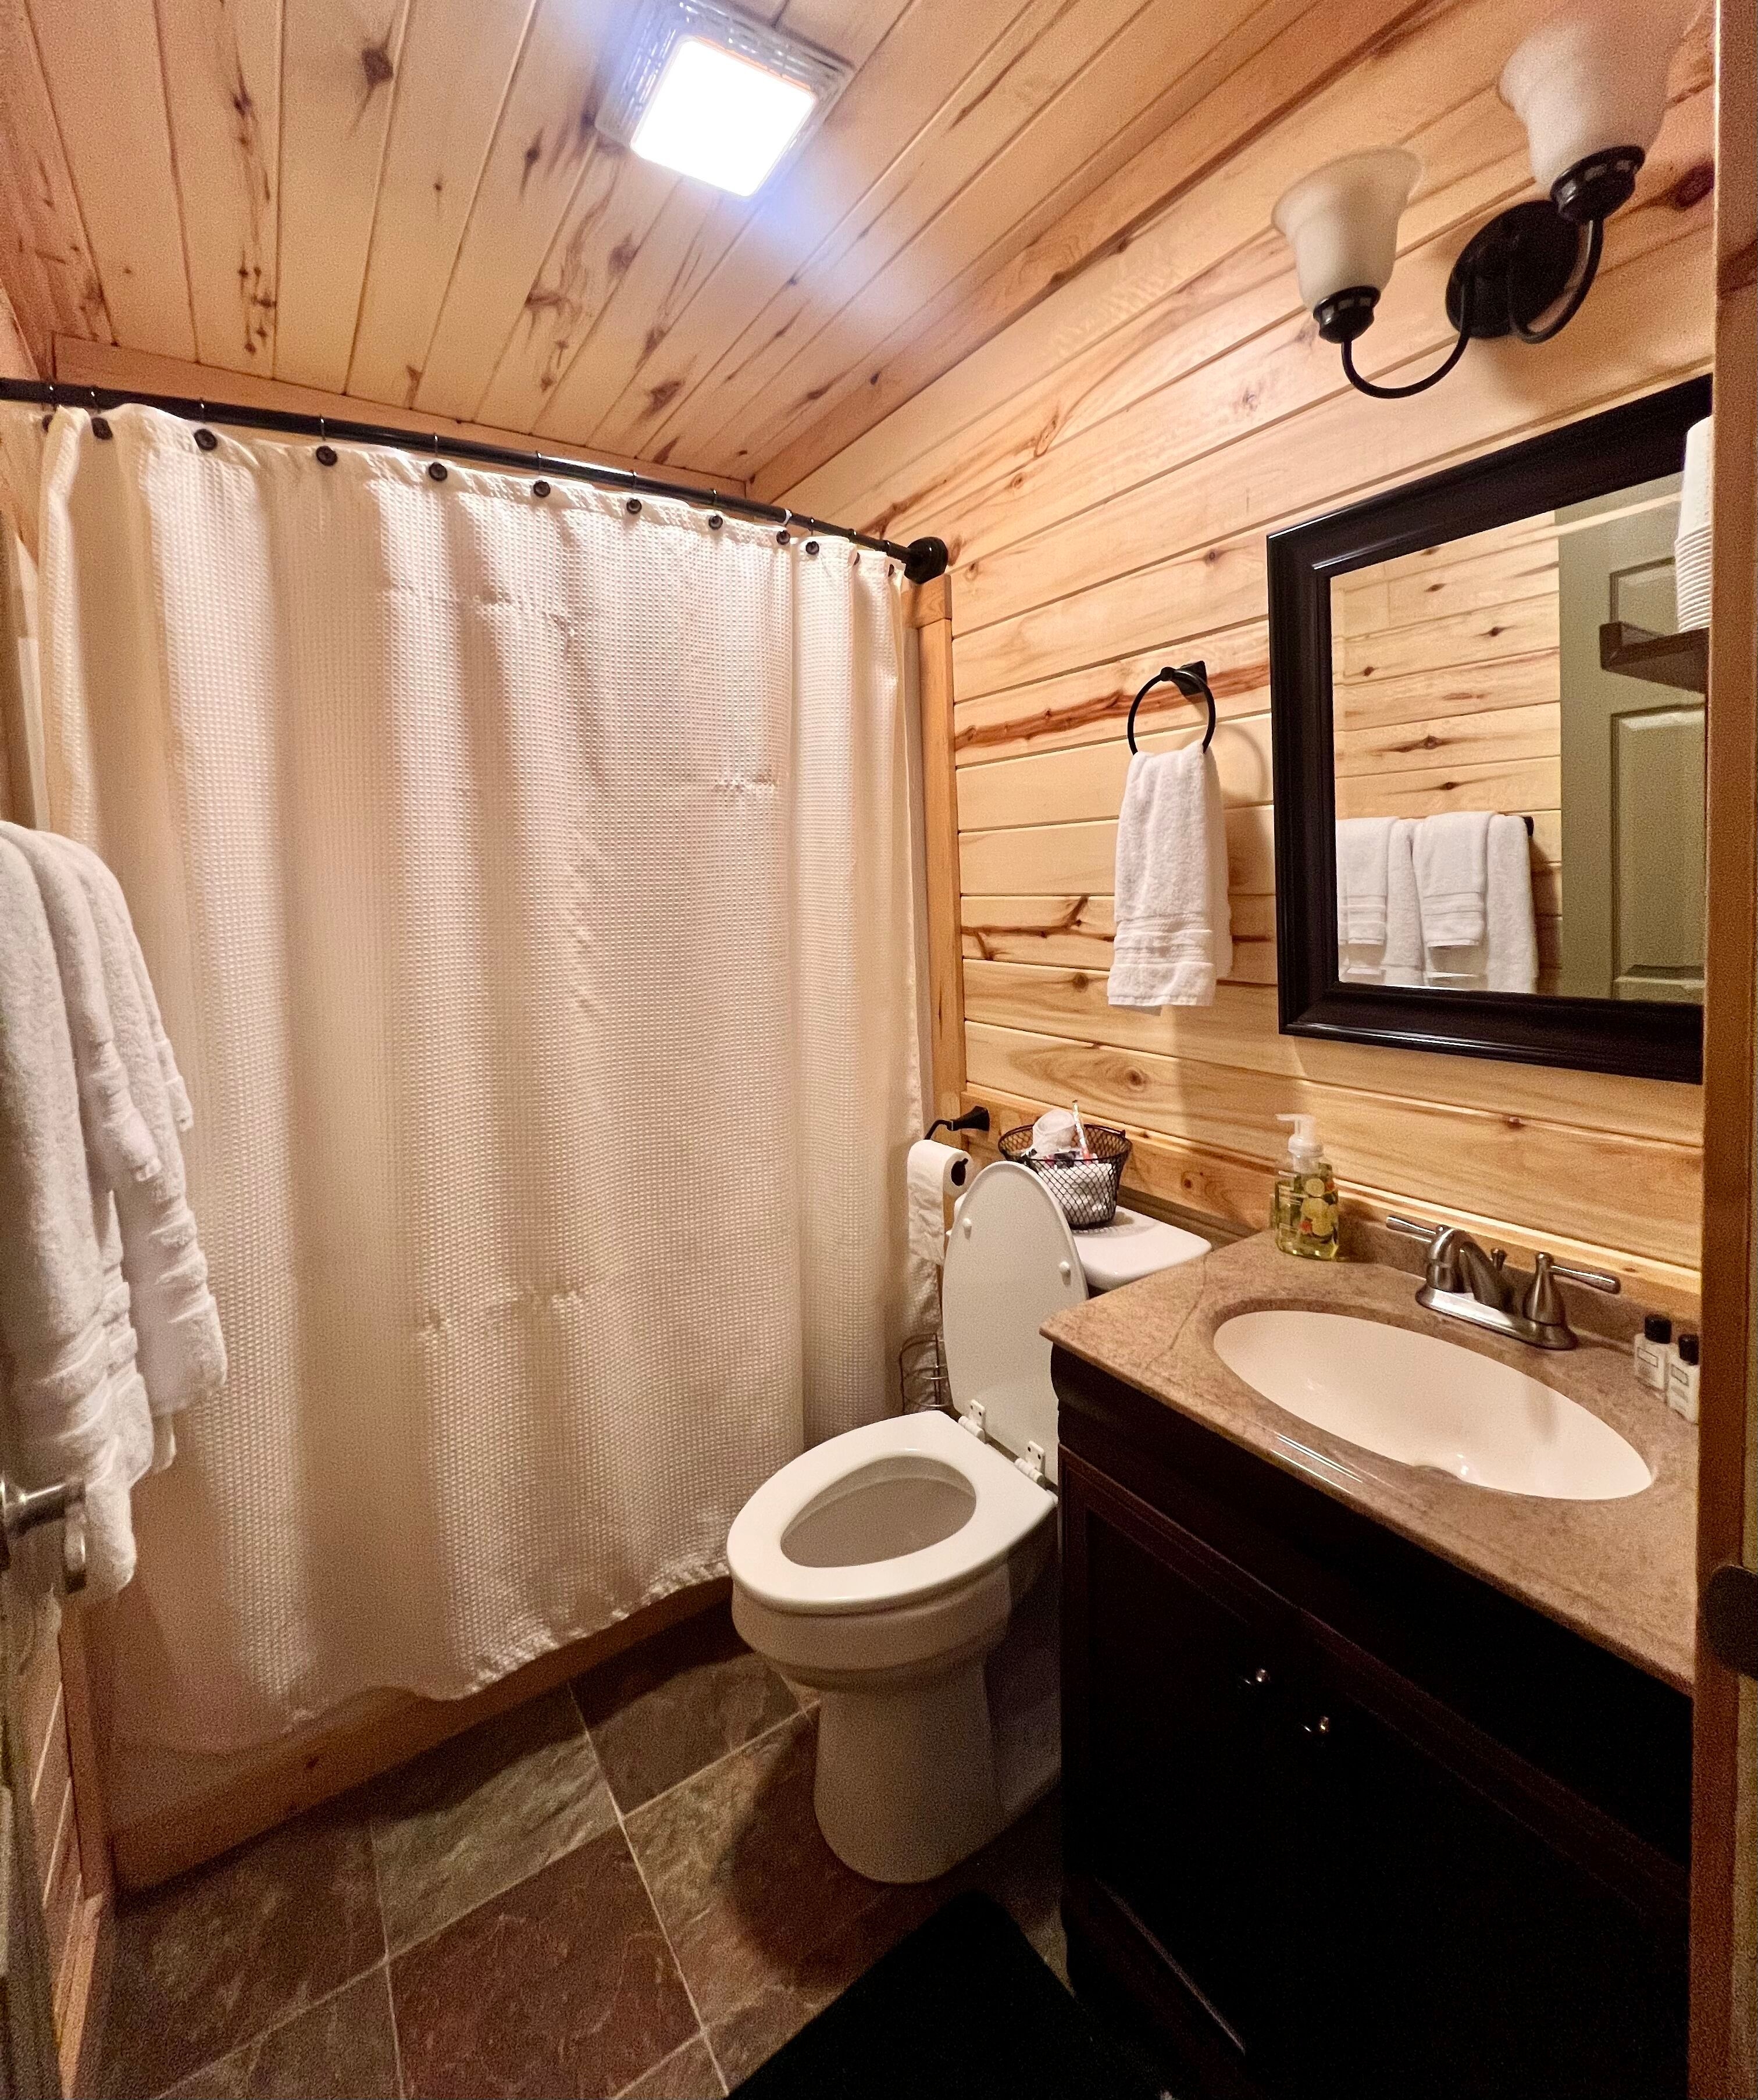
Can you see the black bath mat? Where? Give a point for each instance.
(963, 2010)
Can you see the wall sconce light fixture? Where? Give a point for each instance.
(1590, 86)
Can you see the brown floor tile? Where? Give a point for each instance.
(210, 1960)
(563, 1986)
(343, 2046)
(691, 2074)
(671, 1705)
(483, 1811)
(767, 1924)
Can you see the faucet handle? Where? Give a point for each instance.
(1595, 1279)
(1413, 1228)
(1543, 1306)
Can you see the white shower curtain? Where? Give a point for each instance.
(526, 879)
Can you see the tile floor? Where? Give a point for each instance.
(617, 1888)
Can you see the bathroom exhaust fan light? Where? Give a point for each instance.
(716, 97)
(1590, 86)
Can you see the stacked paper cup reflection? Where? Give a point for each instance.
(1690, 549)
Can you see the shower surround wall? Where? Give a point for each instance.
(1105, 469)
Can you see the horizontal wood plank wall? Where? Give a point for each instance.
(1447, 694)
(1105, 469)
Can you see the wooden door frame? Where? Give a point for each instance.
(1721, 2042)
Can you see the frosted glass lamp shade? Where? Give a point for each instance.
(1592, 82)
(1342, 222)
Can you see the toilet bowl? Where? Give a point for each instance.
(904, 1570)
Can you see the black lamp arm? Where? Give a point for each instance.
(1416, 386)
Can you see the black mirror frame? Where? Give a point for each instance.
(1644, 1039)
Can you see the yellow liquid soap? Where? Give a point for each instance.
(1305, 1211)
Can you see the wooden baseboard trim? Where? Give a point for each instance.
(83, 1985)
(296, 1775)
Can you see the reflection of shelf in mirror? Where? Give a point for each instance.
(1679, 660)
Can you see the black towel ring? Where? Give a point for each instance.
(1191, 680)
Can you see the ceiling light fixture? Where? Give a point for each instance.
(718, 97)
(1590, 86)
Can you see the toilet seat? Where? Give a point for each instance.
(1007, 1508)
(1012, 1263)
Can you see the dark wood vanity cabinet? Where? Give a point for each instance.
(1339, 1819)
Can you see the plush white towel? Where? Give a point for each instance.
(1362, 844)
(1506, 959)
(183, 1353)
(1452, 863)
(1173, 929)
(123, 1143)
(97, 875)
(57, 1318)
(1404, 959)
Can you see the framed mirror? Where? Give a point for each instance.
(1489, 721)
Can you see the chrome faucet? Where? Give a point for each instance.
(1465, 1283)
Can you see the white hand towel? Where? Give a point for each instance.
(1506, 959)
(1404, 959)
(123, 1143)
(56, 1322)
(1173, 929)
(182, 1352)
(1362, 844)
(1452, 863)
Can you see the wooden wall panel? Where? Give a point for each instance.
(1106, 469)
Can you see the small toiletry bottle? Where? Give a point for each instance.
(1305, 1216)
(1654, 1351)
(1682, 1377)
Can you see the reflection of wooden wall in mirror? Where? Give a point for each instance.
(1445, 694)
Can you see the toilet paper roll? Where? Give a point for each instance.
(934, 1172)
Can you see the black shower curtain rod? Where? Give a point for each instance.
(922, 559)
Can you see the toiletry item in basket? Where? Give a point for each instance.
(1054, 1134)
(1305, 1216)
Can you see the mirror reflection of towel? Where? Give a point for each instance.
(1505, 957)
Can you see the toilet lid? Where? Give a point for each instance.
(1010, 1263)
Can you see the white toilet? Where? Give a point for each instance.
(897, 1569)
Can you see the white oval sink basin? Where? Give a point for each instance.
(1422, 1401)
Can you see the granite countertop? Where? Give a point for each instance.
(1622, 1573)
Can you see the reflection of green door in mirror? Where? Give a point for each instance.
(1632, 762)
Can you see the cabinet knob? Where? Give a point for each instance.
(1254, 1680)
(1321, 1726)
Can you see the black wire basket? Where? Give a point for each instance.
(1086, 1189)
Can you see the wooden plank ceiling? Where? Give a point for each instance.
(406, 201)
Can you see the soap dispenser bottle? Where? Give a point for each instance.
(1305, 1195)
